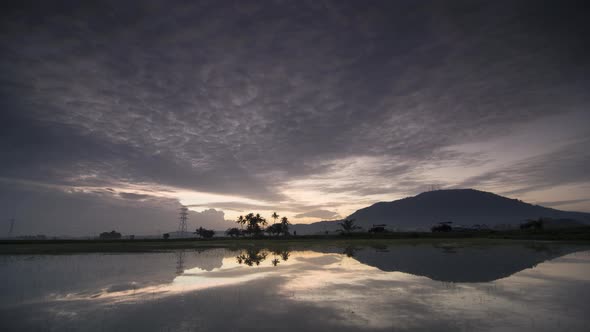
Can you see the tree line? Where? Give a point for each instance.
(256, 225)
(251, 225)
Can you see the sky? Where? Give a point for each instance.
(114, 114)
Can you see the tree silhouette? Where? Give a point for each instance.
(241, 221)
(285, 226)
(234, 231)
(281, 228)
(274, 216)
(348, 226)
(205, 233)
(254, 224)
(275, 229)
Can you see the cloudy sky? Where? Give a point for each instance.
(114, 114)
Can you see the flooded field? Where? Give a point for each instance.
(443, 287)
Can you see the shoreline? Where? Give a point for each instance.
(32, 247)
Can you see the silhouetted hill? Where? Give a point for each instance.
(461, 206)
(319, 227)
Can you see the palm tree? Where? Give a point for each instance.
(285, 225)
(241, 221)
(261, 221)
(274, 216)
(254, 223)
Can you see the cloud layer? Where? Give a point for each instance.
(296, 106)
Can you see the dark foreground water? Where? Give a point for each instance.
(443, 287)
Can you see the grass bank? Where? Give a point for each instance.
(581, 235)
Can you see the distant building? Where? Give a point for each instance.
(378, 229)
(442, 227)
(112, 235)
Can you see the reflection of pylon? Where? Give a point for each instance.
(183, 219)
(179, 262)
(11, 227)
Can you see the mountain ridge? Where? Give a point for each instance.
(461, 206)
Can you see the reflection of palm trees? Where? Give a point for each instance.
(254, 256)
(349, 251)
(282, 253)
(285, 255)
(251, 256)
(179, 262)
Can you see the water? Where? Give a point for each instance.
(443, 287)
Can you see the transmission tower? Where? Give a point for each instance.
(183, 219)
(434, 187)
(11, 227)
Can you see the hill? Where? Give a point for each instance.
(461, 206)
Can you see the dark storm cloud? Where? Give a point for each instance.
(240, 97)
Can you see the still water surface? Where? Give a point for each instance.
(426, 287)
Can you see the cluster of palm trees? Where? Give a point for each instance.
(254, 225)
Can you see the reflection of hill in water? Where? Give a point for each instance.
(460, 264)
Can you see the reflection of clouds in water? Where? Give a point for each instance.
(572, 267)
(534, 297)
(313, 290)
(231, 273)
(368, 297)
